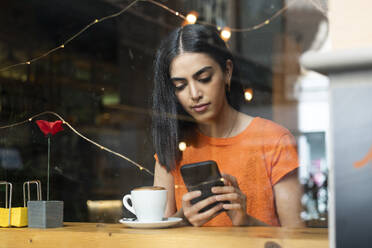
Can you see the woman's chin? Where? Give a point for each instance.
(205, 118)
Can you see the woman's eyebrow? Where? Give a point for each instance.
(204, 69)
(177, 79)
(196, 74)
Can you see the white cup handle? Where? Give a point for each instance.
(126, 204)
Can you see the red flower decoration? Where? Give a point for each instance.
(49, 127)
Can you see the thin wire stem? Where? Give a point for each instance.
(48, 167)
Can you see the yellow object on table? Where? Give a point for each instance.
(18, 217)
(5, 212)
(4, 217)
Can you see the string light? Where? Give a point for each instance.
(80, 135)
(225, 34)
(182, 146)
(260, 25)
(192, 17)
(248, 94)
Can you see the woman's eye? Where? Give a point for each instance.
(205, 80)
(180, 87)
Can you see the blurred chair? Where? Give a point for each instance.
(108, 211)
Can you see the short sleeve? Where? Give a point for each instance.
(285, 158)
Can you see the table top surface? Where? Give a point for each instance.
(104, 235)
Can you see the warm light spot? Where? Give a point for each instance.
(192, 17)
(104, 204)
(182, 146)
(96, 20)
(62, 46)
(28, 62)
(177, 13)
(248, 94)
(267, 22)
(225, 34)
(219, 28)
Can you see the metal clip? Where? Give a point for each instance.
(38, 191)
(6, 197)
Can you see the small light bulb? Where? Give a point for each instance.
(225, 34)
(96, 20)
(219, 28)
(182, 146)
(267, 22)
(28, 62)
(141, 168)
(248, 94)
(177, 13)
(191, 18)
(62, 46)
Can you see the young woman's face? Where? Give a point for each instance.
(200, 85)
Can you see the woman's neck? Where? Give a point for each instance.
(224, 125)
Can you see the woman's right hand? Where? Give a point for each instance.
(191, 212)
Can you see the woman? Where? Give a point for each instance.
(196, 98)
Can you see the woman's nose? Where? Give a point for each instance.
(195, 92)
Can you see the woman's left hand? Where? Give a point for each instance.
(238, 201)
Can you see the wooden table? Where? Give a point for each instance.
(94, 235)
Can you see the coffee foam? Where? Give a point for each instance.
(149, 188)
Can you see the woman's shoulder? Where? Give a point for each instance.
(268, 127)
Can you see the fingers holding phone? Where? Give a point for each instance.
(231, 192)
(193, 212)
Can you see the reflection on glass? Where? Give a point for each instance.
(101, 83)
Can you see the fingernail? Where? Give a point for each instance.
(199, 192)
(213, 190)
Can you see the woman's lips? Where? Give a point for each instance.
(200, 108)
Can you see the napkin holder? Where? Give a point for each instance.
(44, 214)
(9, 216)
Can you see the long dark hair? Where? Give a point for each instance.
(170, 121)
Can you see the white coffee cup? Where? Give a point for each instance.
(148, 203)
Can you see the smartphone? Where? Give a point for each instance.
(202, 176)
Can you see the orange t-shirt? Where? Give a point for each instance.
(258, 158)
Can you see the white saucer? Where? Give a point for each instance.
(167, 222)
